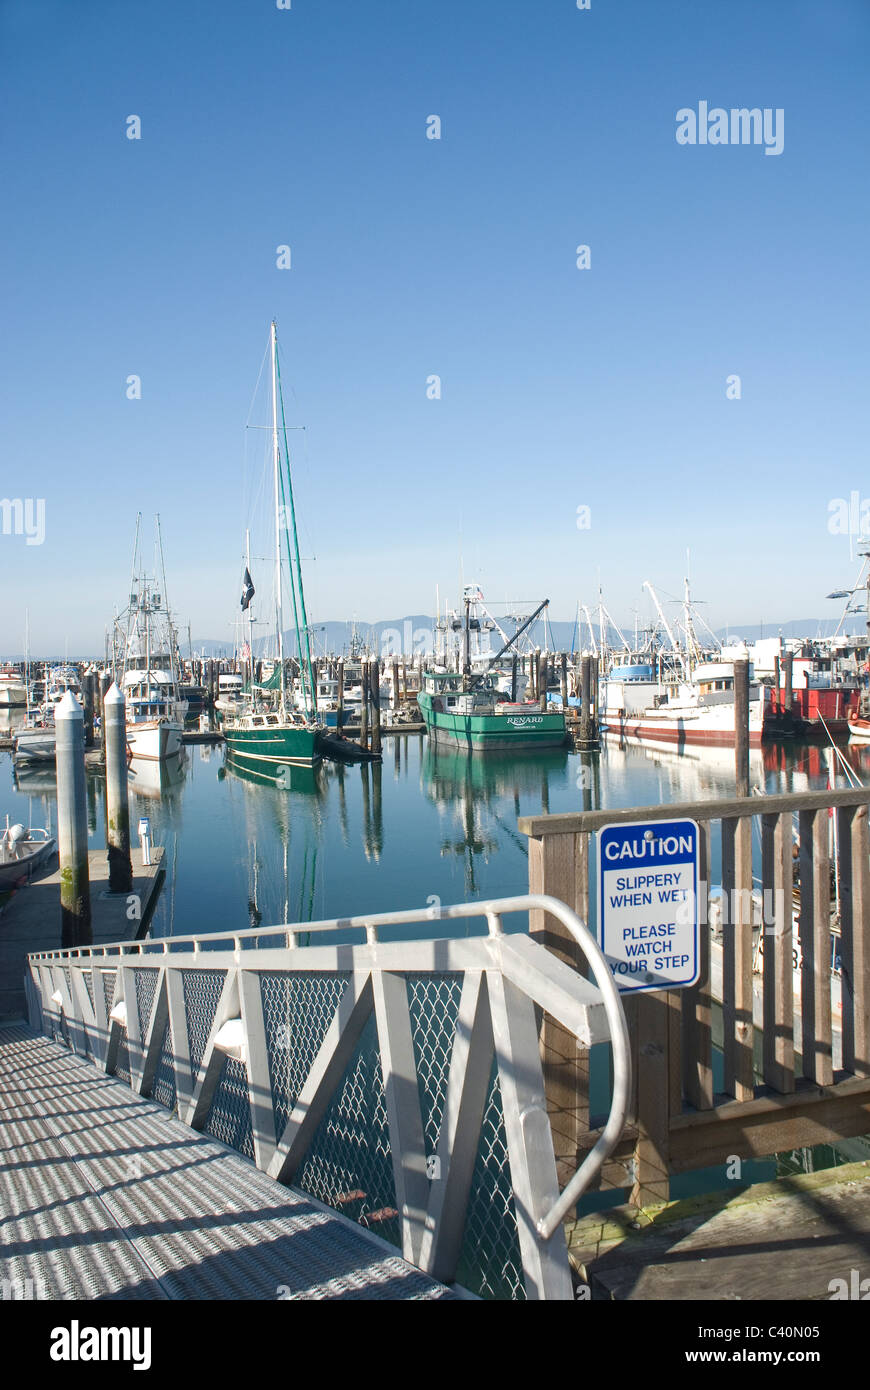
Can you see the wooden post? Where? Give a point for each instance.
(339, 718)
(105, 682)
(737, 1013)
(815, 940)
(375, 687)
(397, 699)
(741, 725)
(788, 662)
(585, 682)
(854, 845)
(543, 678)
(514, 678)
(564, 682)
(117, 802)
(559, 865)
(364, 706)
(88, 707)
(72, 825)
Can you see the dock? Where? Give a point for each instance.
(103, 1195)
(788, 1239)
(30, 921)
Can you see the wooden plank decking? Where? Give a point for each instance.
(787, 1239)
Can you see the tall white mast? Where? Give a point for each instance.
(276, 458)
(250, 617)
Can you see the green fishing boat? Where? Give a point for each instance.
(475, 719)
(263, 735)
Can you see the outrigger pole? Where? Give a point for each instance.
(519, 632)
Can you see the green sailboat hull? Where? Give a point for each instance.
(294, 747)
(511, 732)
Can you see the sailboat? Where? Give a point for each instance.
(262, 735)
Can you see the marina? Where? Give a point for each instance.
(434, 676)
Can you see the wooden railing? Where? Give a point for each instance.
(782, 1087)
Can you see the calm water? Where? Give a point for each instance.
(346, 840)
(362, 838)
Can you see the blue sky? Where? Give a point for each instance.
(561, 387)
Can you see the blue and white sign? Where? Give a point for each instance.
(648, 903)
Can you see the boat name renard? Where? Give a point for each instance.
(646, 849)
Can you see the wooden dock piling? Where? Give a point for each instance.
(72, 824)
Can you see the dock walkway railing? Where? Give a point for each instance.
(399, 1081)
(792, 1069)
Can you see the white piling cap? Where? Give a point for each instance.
(68, 708)
(113, 695)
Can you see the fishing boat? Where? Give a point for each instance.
(268, 733)
(22, 851)
(150, 681)
(700, 709)
(469, 710)
(13, 688)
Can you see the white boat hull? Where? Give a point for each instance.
(34, 745)
(154, 740)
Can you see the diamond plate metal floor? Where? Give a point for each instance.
(104, 1196)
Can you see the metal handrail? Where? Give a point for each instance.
(493, 910)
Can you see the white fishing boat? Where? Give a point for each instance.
(150, 681)
(700, 709)
(22, 851)
(13, 687)
(231, 697)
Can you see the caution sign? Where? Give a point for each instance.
(648, 903)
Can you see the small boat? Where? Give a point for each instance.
(346, 750)
(859, 727)
(35, 744)
(21, 852)
(13, 688)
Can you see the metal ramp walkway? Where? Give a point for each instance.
(104, 1196)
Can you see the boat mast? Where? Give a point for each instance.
(250, 616)
(276, 464)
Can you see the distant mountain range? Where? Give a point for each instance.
(414, 633)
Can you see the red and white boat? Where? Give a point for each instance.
(859, 727)
(698, 710)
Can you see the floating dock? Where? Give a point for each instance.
(30, 921)
(104, 1196)
(787, 1239)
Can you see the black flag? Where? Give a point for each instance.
(248, 589)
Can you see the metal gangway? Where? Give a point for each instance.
(384, 1067)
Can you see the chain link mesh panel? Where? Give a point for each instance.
(146, 984)
(349, 1164)
(163, 1088)
(297, 1011)
(122, 1066)
(107, 979)
(87, 976)
(433, 1005)
(230, 1116)
(202, 992)
(490, 1264)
